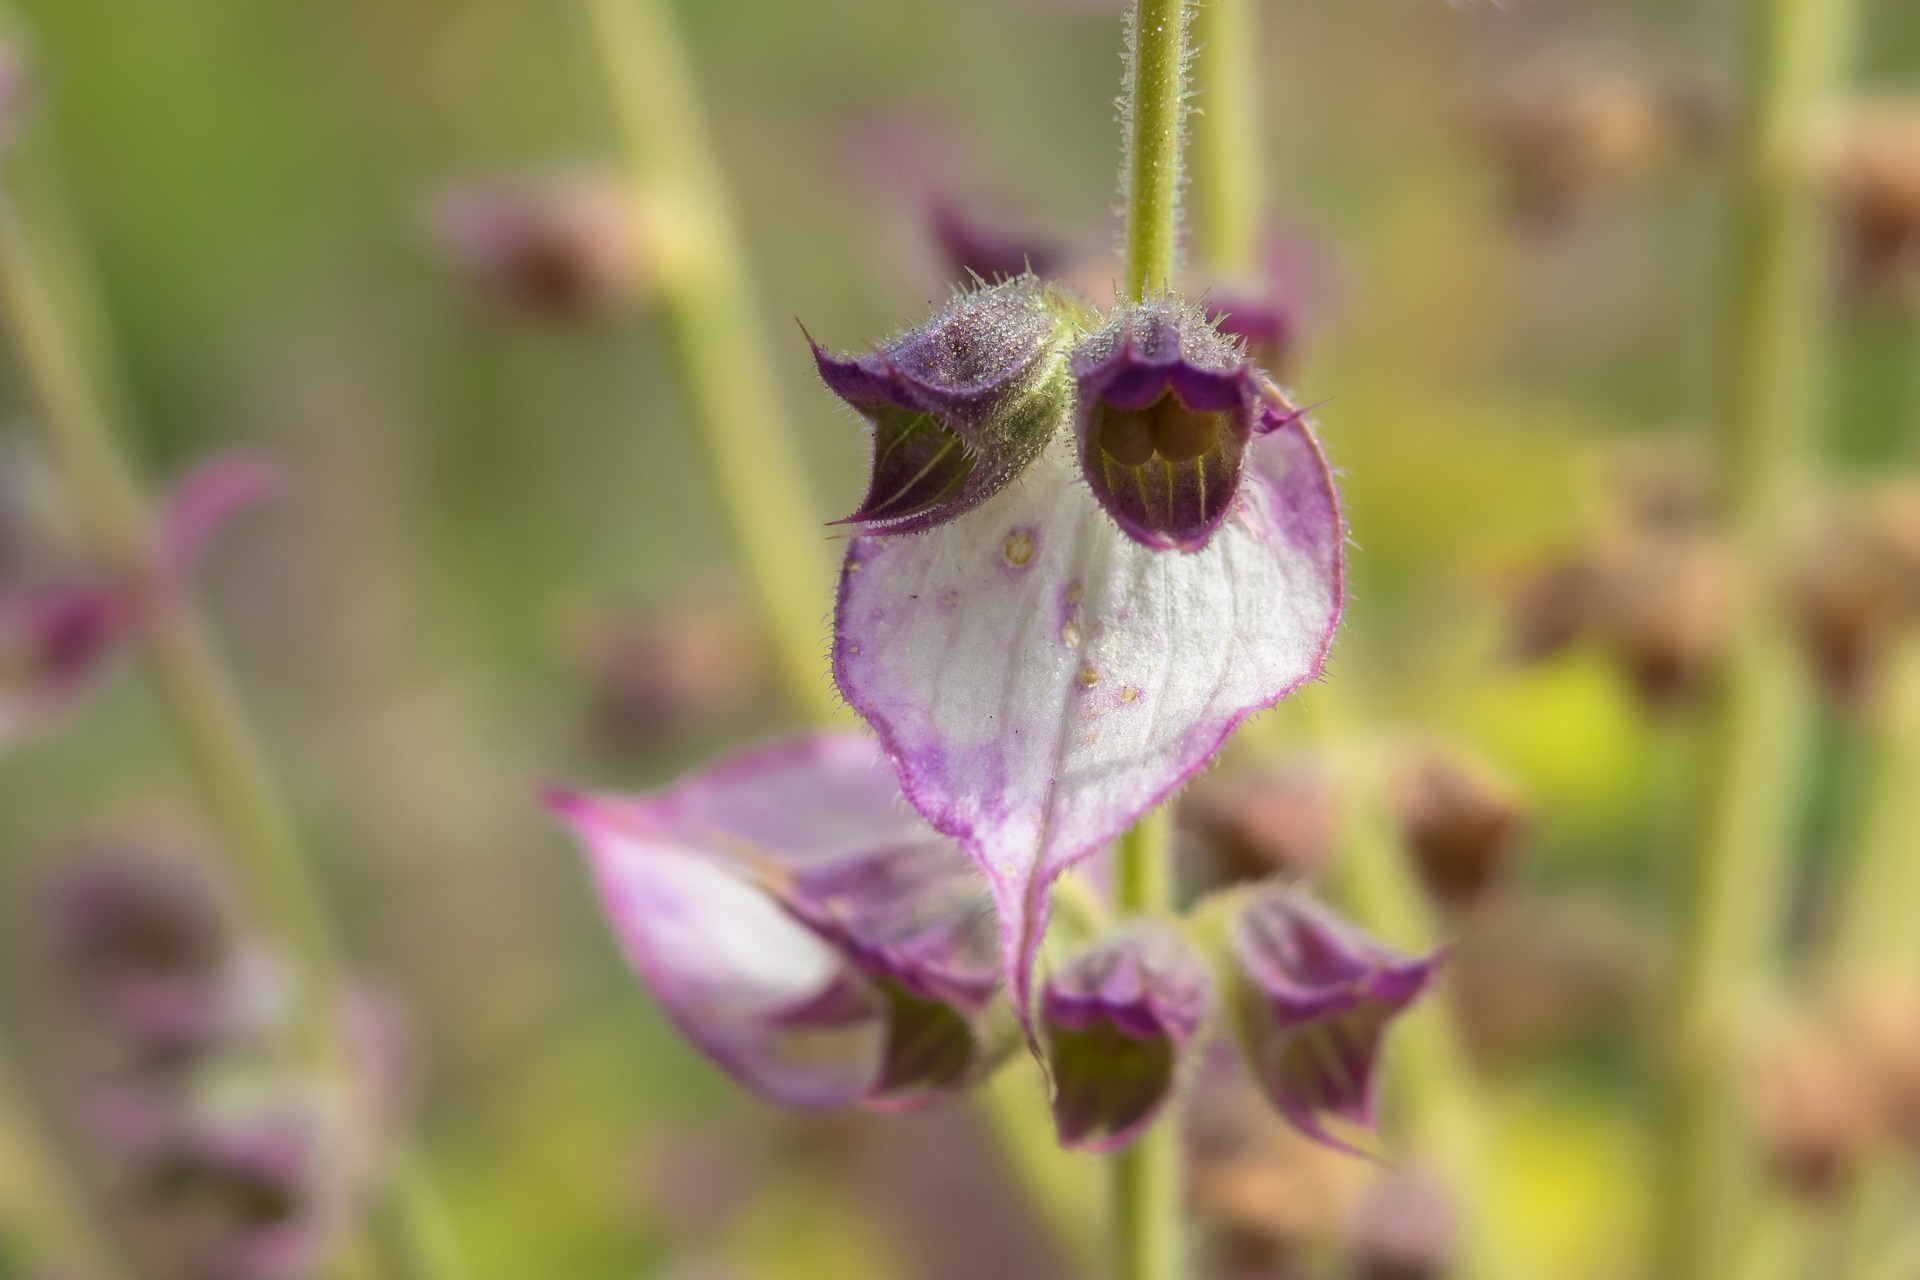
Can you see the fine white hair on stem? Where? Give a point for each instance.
(1129, 124)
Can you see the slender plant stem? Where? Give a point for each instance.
(1734, 881)
(1144, 1180)
(1153, 115)
(180, 662)
(1228, 172)
(1144, 1236)
(47, 1186)
(723, 346)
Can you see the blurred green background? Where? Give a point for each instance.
(255, 182)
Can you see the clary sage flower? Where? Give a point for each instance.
(801, 924)
(1311, 1002)
(59, 637)
(1124, 549)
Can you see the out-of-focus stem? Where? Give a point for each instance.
(1154, 117)
(1734, 876)
(1430, 1085)
(1143, 1208)
(1878, 928)
(181, 665)
(722, 344)
(1226, 133)
(46, 1187)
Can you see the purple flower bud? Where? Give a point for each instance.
(1312, 1003)
(145, 941)
(960, 405)
(973, 249)
(1265, 323)
(55, 642)
(254, 1197)
(566, 249)
(1117, 1018)
(800, 923)
(1167, 407)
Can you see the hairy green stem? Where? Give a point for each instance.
(1153, 113)
(1734, 879)
(1228, 173)
(182, 668)
(1144, 1204)
(723, 348)
(1143, 1207)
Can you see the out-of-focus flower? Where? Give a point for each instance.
(1404, 1229)
(1856, 588)
(1461, 820)
(1810, 1105)
(1535, 972)
(656, 674)
(1312, 1000)
(256, 1196)
(1873, 174)
(1283, 817)
(1652, 586)
(145, 938)
(566, 248)
(55, 642)
(1562, 136)
(1877, 1020)
(1117, 1018)
(58, 637)
(1040, 669)
(1267, 1192)
(959, 406)
(973, 249)
(800, 924)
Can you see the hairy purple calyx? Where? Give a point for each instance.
(1117, 1019)
(1312, 1000)
(961, 405)
(1168, 405)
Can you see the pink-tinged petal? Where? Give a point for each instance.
(1313, 1002)
(203, 502)
(1041, 680)
(55, 644)
(802, 924)
(974, 250)
(1118, 1017)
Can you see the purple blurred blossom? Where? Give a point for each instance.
(566, 248)
(800, 924)
(1117, 1019)
(1314, 999)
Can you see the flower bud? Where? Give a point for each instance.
(960, 405)
(143, 940)
(1812, 1106)
(55, 642)
(1312, 1001)
(1562, 136)
(1462, 823)
(800, 924)
(564, 249)
(1404, 1229)
(1167, 408)
(972, 250)
(1283, 818)
(1874, 177)
(1117, 1018)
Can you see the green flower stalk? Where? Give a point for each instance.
(195, 695)
(1228, 173)
(706, 290)
(1733, 885)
